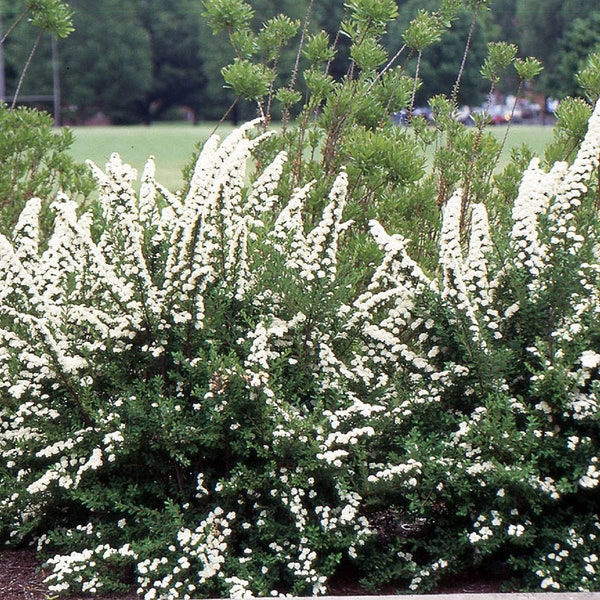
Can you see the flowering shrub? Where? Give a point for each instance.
(198, 397)
(167, 365)
(495, 434)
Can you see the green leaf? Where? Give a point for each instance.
(528, 68)
(589, 77)
(274, 34)
(368, 54)
(500, 56)
(248, 81)
(52, 16)
(572, 116)
(229, 15)
(423, 31)
(317, 48)
(244, 42)
(288, 97)
(319, 84)
(372, 12)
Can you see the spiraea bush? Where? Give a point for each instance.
(198, 398)
(226, 391)
(170, 372)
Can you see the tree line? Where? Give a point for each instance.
(147, 60)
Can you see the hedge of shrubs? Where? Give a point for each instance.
(322, 355)
(206, 394)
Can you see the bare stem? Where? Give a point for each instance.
(387, 67)
(12, 27)
(461, 70)
(510, 119)
(415, 84)
(286, 113)
(224, 117)
(25, 68)
(334, 45)
(505, 136)
(301, 45)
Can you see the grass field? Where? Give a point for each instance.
(535, 136)
(172, 145)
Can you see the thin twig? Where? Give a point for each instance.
(12, 27)
(224, 117)
(454, 97)
(334, 45)
(301, 45)
(286, 113)
(415, 85)
(26, 67)
(511, 117)
(508, 126)
(387, 67)
(463, 63)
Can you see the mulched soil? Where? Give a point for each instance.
(21, 578)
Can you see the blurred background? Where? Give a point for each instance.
(141, 61)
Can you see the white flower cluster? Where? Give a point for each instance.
(303, 567)
(199, 556)
(436, 567)
(484, 528)
(591, 479)
(76, 571)
(78, 295)
(409, 471)
(312, 255)
(554, 566)
(556, 194)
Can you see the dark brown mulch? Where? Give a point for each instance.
(21, 578)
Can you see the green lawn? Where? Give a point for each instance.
(172, 145)
(535, 136)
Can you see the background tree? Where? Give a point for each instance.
(504, 18)
(107, 62)
(541, 26)
(174, 32)
(579, 40)
(139, 60)
(440, 62)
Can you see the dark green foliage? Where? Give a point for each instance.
(35, 162)
(580, 38)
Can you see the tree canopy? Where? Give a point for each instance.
(141, 60)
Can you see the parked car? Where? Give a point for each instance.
(425, 112)
(465, 115)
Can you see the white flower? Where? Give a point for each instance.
(474, 537)
(590, 359)
(516, 530)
